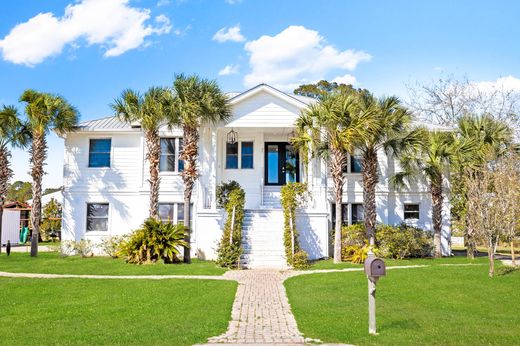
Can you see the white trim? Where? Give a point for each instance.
(272, 91)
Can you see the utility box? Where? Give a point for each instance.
(375, 267)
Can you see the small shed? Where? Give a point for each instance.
(16, 216)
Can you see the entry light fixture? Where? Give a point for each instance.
(232, 137)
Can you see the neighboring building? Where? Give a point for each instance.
(106, 188)
(16, 216)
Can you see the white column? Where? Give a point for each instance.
(212, 172)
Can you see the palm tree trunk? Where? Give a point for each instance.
(337, 162)
(437, 201)
(491, 256)
(5, 174)
(189, 176)
(38, 156)
(370, 180)
(513, 260)
(153, 143)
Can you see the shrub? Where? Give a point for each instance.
(154, 241)
(71, 247)
(230, 247)
(300, 260)
(112, 246)
(223, 190)
(354, 253)
(292, 196)
(403, 241)
(67, 248)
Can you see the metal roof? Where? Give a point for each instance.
(108, 123)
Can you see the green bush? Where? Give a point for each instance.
(300, 260)
(292, 196)
(230, 247)
(354, 253)
(154, 241)
(223, 190)
(403, 241)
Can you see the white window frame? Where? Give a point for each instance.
(176, 153)
(111, 152)
(87, 232)
(239, 159)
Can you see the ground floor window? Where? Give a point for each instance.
(97, 217)
(411, 211)
(173, 212)
(358, 213)
(344, 214)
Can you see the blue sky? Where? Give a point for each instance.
(101, 47)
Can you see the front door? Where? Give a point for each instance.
(281, 164)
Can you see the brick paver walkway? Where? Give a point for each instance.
(261, 312)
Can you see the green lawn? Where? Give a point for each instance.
(53, 263)
(113, 312)
(435, 305)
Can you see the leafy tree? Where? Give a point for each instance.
(20, 191)
(431, 160)
(323, 87)
(12, 134)
(44, 112)
(50, 190)
(51, 222)
(328, 130)
(196, 102)
(386, 127)
(151, 111)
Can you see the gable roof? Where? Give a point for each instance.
(298, 101)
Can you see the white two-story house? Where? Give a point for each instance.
(106, 188)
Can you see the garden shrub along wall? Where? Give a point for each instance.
(230, 246)
(402, 241)
(292, 196)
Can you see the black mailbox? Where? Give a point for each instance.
(375, 267)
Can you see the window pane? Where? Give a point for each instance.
(180, 162)
(97, 225)
(232, 161)
(100, 145)
(167, 163)
(272, 164)
(232, 149)
(180, 212)
(97, 210)
(247, 148)
(168, 146)
(166, 211)
(344, 214)
(357, 213)
(99, 160)
(355, 164)
(411, 211)
(247, 161)
(411, 207)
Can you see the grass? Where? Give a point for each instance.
(449, 305)
(53, 263)
(113, 312)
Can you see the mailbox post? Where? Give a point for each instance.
(374, 269)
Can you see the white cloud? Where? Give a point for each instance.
(163, 3)
(508, 83)
(228, 70)
(294, 56)
(112, 24)
(229, 34)
(345, 79)
(233, 2)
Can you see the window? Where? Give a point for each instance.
(247, 155)
(173, 212)
(411, 211)
(97, 217)
(355, 164)
(358, 214)
(344, 214)
(99, 152)
(231, 155)
(170, 156)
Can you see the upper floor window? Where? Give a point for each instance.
(99, 152)
(97, 217)
(358, 213)
(247, 155)
(170, 152)
(411, 211)
(355, 164)
(231, 155)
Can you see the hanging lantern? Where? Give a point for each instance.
(232, 137)
(291, 135)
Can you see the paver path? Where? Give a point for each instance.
(261, 312)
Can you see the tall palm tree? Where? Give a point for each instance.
(387, 128)
(44, 111)
(196, 102)
(431, 160)
(486, 139)
(12, 134)
(150, 110)
(326, 129)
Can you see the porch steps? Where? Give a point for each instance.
(271, 197)
(262, 239)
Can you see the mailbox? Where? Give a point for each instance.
(375, 267)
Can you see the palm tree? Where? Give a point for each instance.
(12, 134)
(196, 102)
(326, 129)
(387, 128)
(432, 161)
(151, 111)
(44, 112)
(486, 139)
